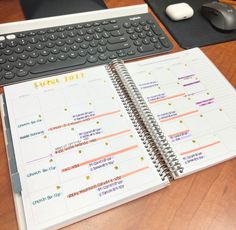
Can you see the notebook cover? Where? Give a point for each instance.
(193, 32)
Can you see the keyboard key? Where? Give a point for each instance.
(20, 35)
(63, 56)
(81, 32)
(7, 51)
(69, 41)
(97, 36)
(56, 50)
(103, 57)
(122, 54)
(19, 49)
(8, 75)
(87, 25)
(21, 73)
(93, 43)
(164, 42)
(146, 41)
(106, 34)
(131, 52)
(30, 62)
(71, 34)
(70, 28)
(133, 36)
(12, 58)
(20, 64)
(117, 40)
(113, 21)
(2, 60)
(138, 43)
(32, 40)
(73, 55)
(101, 49)
(103, 42)
(84, 45)
(92, 51)
(43, 38)
(44, 53)
(65, 48)
(113, 56)
(3, 45)
(41, 32)
(22, 41)
(23, 56)
(105, 22)
(88, 38)
(117, 33)
(118, 46)
(42, 60)
(29, 48)
(75, 47)
(51, 44)
(78, 39)
(52, 58)
(150, 22)
(62, 35)
(82, 53)
(127, 25)
(8, 67)
(40, 46)
(145, 48)
(12, 43)
(90, 31)
(156, 30)
(142, 23)
(111, 27)
(34, 54)
(92, 58)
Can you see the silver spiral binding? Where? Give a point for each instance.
(138, 123)
(160, 151)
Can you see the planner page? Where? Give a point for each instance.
(193, 103)
(77, 152)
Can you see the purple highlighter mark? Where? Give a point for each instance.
(192, 83)
(205, 102)
(186, 77)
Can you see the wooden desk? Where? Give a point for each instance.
(204, 200)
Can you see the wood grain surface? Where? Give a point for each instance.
(204, 200)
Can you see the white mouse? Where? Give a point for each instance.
(179, 11)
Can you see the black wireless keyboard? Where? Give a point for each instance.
(36, 53)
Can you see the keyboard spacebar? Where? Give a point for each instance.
(57, 65)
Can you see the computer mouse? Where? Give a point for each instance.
(220, 15)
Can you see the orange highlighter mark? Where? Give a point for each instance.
(202, 147)
(178, 116)
(167, 98)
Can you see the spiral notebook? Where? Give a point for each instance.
(83, 142)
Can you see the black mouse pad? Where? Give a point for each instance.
(193, 32)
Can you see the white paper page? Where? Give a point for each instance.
(77, 152)
(193, 103)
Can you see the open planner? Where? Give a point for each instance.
(83, 142)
